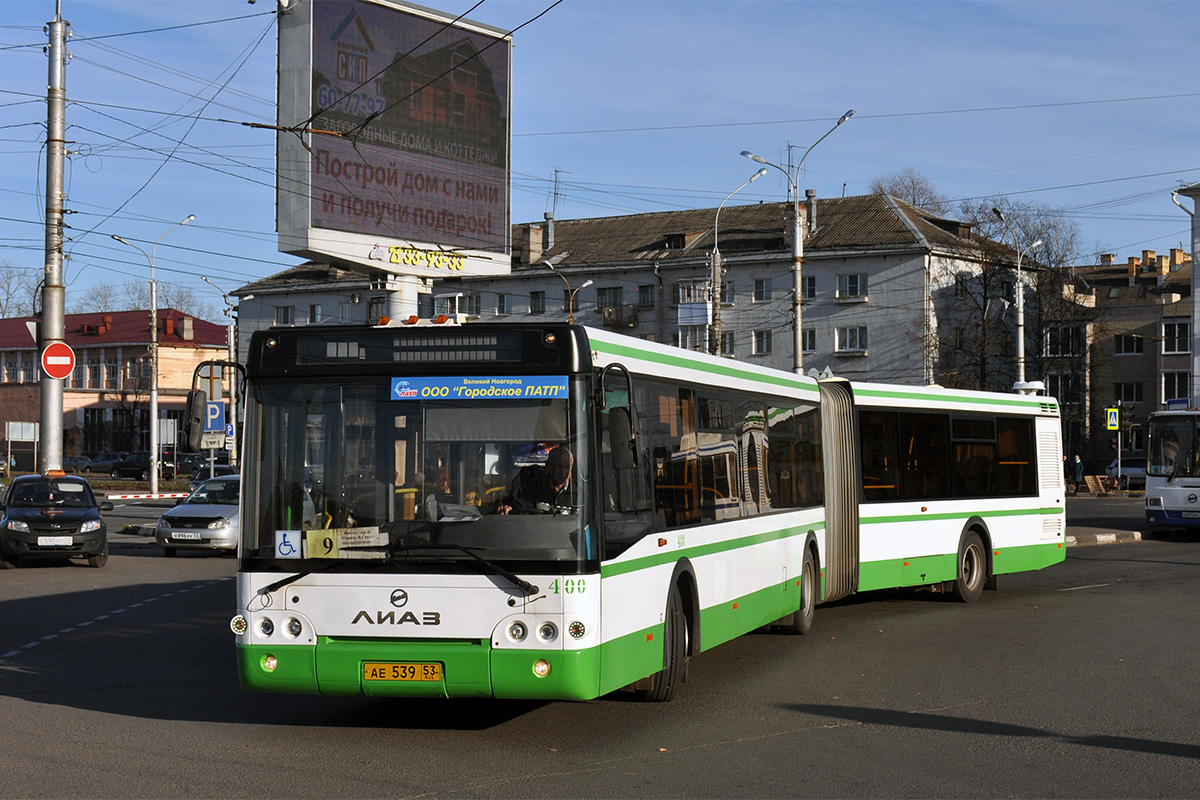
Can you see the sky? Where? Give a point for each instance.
(1091, 108)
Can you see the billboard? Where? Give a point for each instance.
(393, 143)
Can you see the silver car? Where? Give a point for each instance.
(206, 520)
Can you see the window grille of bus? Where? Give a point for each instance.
(451, 347)
(1050, 467)
(1052, 526)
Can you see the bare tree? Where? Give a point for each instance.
(97, 298)
(913, 188)
(18, 290)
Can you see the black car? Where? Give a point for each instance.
(75, 463)
(137, 465)
(52, 516)
(104, 462)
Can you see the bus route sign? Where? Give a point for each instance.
(485, 387)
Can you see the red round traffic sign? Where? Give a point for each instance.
(58, 360)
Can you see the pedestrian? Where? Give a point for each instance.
(1078, 472)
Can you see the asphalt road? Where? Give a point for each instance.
(1075, 681)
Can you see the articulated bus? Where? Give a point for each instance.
(1173, 470)
(385, 551)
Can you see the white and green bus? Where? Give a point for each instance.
(390, 544)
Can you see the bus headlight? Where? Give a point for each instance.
(547, 631)
(293, 627)
(1154, 502)
(265, 626)
(517, 631)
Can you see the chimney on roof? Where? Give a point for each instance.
(187, 325)
(1134, 263)
(549, 236)
(1162, 265)
(528, 244)
(169, 326)
(810, 203)
(1178, 258)
(105, 324)
(1107, 259)
(1148, 259)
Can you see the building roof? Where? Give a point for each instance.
(120, 328)
(308, 276)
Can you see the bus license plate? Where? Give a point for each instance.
(54, 541)
(1191, 515)
(375, 671)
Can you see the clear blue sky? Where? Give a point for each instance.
(1093, 107)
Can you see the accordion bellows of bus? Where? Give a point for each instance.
(553, 511)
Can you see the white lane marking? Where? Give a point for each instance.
(1090, 586)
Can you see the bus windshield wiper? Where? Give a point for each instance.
(489, 566)
(282, 582)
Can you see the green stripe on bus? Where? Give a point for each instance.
(671, 556)
(934, 395)
(1006, 512)
(732, 371)
(927, 570)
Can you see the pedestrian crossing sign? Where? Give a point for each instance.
(1114, 418)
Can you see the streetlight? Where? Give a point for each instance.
(570, 292)
(154, 349)
(715, 342)
(798, 234)
(230, 307)
(1021, 386)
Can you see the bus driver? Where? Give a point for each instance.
(541, 489)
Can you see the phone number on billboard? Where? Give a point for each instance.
(354, 103)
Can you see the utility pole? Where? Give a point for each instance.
(54, 326)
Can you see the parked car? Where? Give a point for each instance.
(1132, 473)
(206, 520)
(188, 463)
(52, 516)
(205, 473)
(104, 462)
(75, 463)
(137, 465)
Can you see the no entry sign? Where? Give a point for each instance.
(58, 360)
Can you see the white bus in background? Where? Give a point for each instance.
(1173, 470)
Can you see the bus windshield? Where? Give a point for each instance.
(377, 477)
(1172, 446)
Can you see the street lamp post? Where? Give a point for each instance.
(1021, 386)
(570, 292)
(798, 231)
(714, 344)
(154, 349)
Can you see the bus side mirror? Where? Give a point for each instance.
(193, 421)
(620, 437)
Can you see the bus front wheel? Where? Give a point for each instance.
(972, 569)
(664, 683)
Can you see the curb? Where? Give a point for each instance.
(1111, 537)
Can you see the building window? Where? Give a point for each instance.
(79, 376)
(852, 286)
(1128, 344)
(762, 290)
(692, 337)
(646, 295)
(112, 374)
(1177, 337)
(694, 292)
(1129, 392)
(1064, 387)
(808, 340)
(762, 343)
(346, 311)
(727, 293)
(728, 344)
(503, 304)
(537, 302)
(94, 378)
(1177, 385)
(375, 309)
(1063, 341)
(809, 287)
(1114, 292)
(608, 296)
(471, 305)
(852, 340)
(284, 315)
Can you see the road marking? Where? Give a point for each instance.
(1092, 586)
(100, 617)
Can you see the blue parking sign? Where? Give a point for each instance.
(214, 418)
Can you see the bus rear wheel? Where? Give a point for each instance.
(664, 683)
(972, 569)
(801, 621)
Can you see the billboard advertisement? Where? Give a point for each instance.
(393, 148)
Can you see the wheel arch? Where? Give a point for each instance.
(977, 525)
